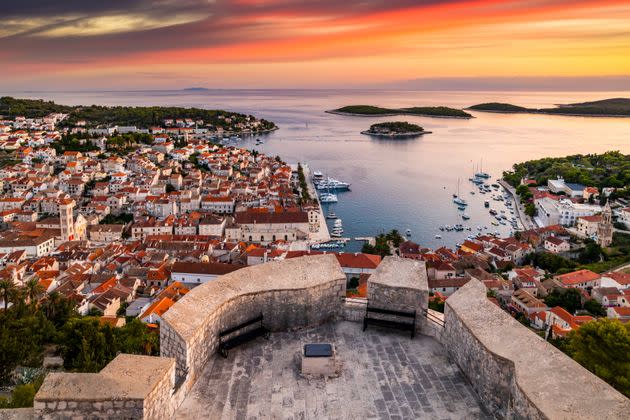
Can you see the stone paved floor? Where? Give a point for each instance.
(385, 375)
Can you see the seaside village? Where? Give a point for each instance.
(127, 235)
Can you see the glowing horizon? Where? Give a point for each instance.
(283, 43)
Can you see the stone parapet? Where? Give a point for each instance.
(515, 372)
(400, 284)
(131, 386)
(293, 293)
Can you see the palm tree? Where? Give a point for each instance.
(8, 290)
(32, 290)
(51, 304)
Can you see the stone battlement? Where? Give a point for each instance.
(514, 373)
(290, 294)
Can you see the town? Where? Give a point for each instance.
(115, 224)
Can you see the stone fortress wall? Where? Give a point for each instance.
(515, 373)
(131, 386)
(294, 293)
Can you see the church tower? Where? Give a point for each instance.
(66, 219)
(605, 227)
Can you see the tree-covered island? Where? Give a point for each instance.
(141, 117)
(426, 111)
(395, 129)
(616, 107)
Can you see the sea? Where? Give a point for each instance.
(403, 184)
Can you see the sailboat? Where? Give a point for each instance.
(481, 173)
(457, 200)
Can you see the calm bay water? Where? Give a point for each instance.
(402, 184)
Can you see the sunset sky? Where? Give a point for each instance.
(78, 44)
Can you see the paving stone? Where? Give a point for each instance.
(385, 375)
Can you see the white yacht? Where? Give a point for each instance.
(332, 184)
(328, 198)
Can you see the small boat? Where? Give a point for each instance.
(335, 234)
(442, 228)
(408, 232)
(332, 184)
(472, 192)
(331, 215)
(460, 202)
(317, 175)
(460, 207)
(486, 203)
(465, 216)
(328, 198)
(438, 236)
(493, 212)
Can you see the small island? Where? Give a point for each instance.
(425, 111)
(616, 107)
(395, 129)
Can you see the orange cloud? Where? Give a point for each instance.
(449, 38)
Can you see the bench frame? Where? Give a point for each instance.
(381, 322)
(226, 342)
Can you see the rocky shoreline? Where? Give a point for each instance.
(396, 135)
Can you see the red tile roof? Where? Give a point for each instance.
(577, 277)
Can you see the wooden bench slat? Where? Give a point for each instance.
(226, 344)
(241, 326)
(391, 312)
(403, 324)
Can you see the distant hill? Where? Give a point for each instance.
(616, 107)
(614, 103)
(369, 110)
(196, 89)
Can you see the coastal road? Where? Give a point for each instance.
(322, 235)
(526, 221)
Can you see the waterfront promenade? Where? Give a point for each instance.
(322, 234)
(526, 221)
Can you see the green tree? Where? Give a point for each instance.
(591, 253)
(57, 309)
(569, 299)
(594, 308)
(32, 291)
(86, 345)
(603, 347)
(395, 237)
(8, 292)
(531, 210)
(136, 338)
